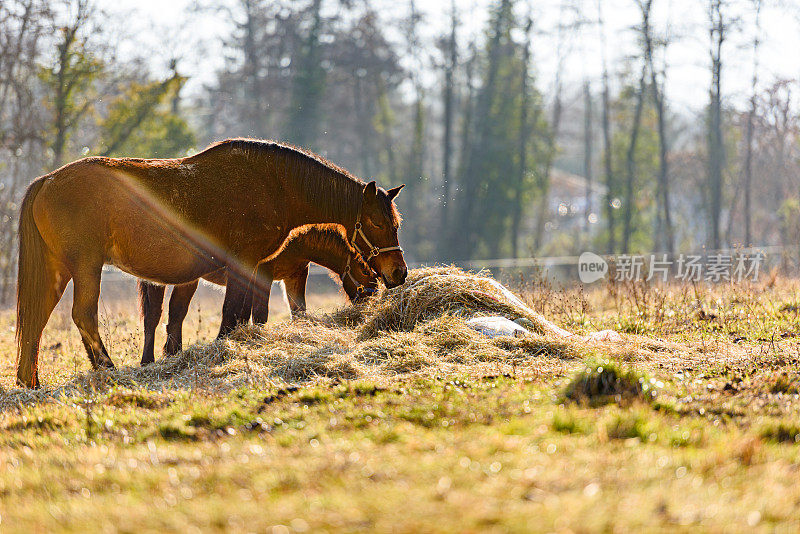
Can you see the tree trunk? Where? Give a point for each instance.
(61, 97)
(450, 235)
(717, 30)
(308, 85)
(362, 118)
(748, 164)
(665, 215)
(447, 144)
(463, 231)
(544, 189)
(542, 211)
(524, 134)
(414, 171)
(631, 162)
(250, 69)
(385, 119)
(587, 152)
(606, 123)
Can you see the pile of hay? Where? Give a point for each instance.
(434, 292)
(418, 327)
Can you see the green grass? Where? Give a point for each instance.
(435, 445)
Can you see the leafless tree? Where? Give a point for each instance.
(718, 28)
(606, 125)
(748, 163)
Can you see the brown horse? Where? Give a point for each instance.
(324, 245)
(172, 221)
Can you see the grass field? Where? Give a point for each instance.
(691, 422)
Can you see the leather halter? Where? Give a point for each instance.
(358, 232)
(373, 251)
(360, 288)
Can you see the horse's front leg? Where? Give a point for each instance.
(261, 292)
(295, 287)
(238, 301)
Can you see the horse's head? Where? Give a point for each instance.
(376, 234)
(359, 281)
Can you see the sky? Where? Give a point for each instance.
(156, 27)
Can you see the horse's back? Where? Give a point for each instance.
(126, 212)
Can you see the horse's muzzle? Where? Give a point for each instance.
(398, 277)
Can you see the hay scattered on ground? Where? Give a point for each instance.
(416, 328)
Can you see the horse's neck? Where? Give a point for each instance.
(331, 253)
(328, 198)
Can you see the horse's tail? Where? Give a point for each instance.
(142, 288)
(34, 280)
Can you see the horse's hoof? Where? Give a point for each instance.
(29, 383)
(172, 346)
(105, 363)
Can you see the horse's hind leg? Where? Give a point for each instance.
(178, 308)
(151, 300)
(86, 279)
(57, 279)
(295, 287)
(237, 304)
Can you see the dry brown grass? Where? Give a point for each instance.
(400, 401)
(416, 328)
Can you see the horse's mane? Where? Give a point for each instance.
(256, 147)
(324, 182)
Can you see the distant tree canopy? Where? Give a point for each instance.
(144, 120)
(338, 85)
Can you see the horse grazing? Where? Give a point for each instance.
(324, 245)
(172, 221)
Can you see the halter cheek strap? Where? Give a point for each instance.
(373, 250)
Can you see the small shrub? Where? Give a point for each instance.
(38, 422)
(607, 382)
(314, 396)
(783, 383)
(123, 398)
(567, 423)
(177, 429)
(627, 426)
(780, 432)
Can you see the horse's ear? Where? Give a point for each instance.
(393, 192)
(371, 190)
